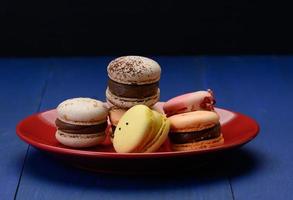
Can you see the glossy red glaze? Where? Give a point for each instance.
(39, 131)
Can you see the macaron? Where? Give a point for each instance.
(115, 114)
(133, 80)
(81, 122)
(195, 130)
(159, 107)
(200, 100)
(140, 130)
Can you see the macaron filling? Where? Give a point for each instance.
(195, 136)
(80, 129)
(80, 136)
(133, 90)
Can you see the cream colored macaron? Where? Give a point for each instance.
(81, 122)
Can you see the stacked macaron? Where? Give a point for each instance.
(81, 122)
(133, 80)
(194, 124)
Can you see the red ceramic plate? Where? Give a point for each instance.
(39, 131)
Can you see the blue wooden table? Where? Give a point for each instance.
(259, 86)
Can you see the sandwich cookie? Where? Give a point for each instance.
(159, 107)
(200, 100)
(115, 115)
(81, 122)
(140, 130)
(133, 80)
(195, 130)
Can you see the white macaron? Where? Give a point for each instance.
(81, 122)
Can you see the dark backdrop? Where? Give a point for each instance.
(82, 27)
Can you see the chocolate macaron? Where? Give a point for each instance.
(195, 130)
(81, 122)
(133, 80)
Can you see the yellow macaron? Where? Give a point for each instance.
(140, 130)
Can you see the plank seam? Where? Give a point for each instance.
(24, 161)
(43, 91)
(203, 62)
(231, 188)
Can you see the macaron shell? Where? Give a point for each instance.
(193, 121)
(126, 103)
(199, 145)
(134, 70)
(82, 111)
(115, 115)
(106, 105)
(159, 107)
(186, 102)
(160, 138)
(79, 140)
(158, 122)
(156, 126)
(132, 129)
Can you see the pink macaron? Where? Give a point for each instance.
(200, 100)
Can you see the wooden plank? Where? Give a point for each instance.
(44, 178)
(262, 88)
(21, 84)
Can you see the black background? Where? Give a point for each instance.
(70, 28)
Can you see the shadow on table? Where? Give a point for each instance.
(232, 164)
